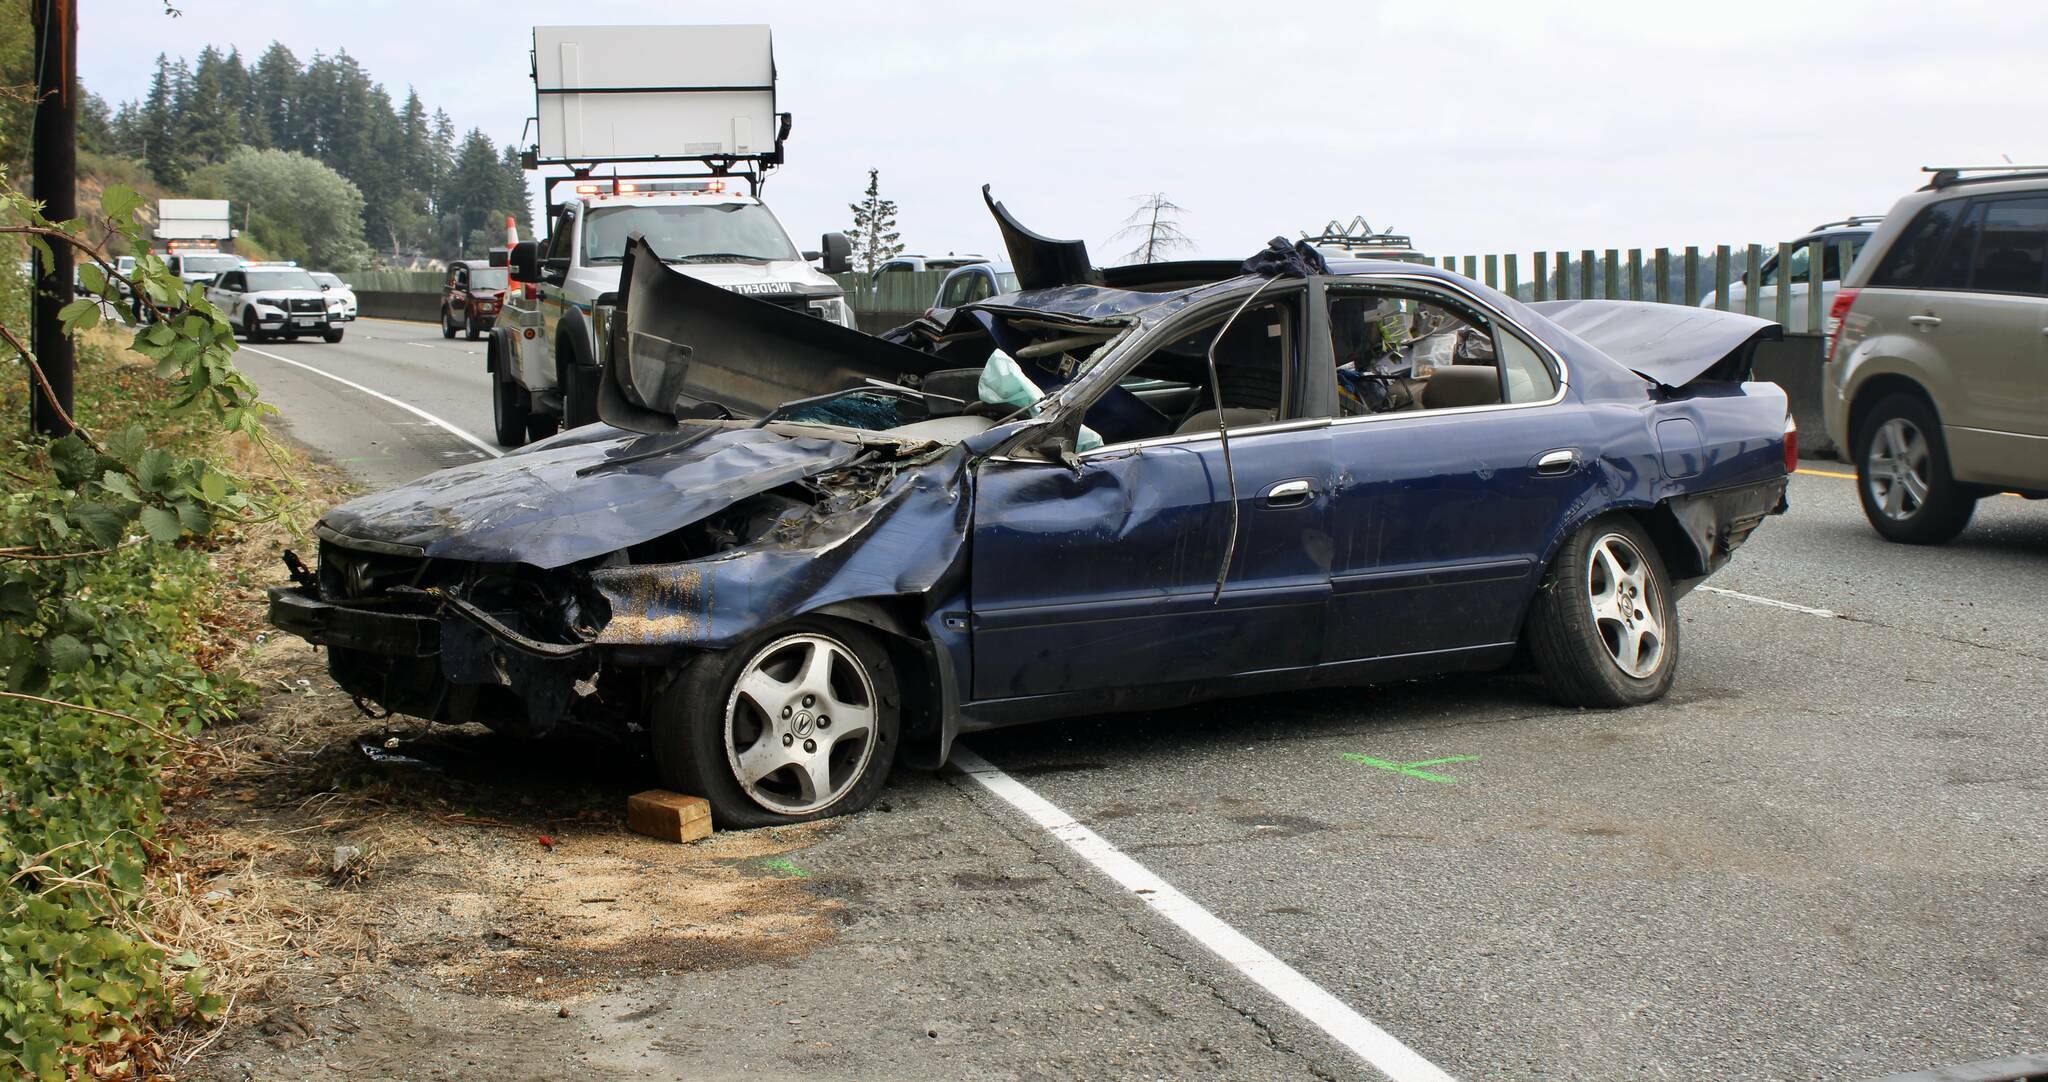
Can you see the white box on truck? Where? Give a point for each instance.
(192, 219)
(647, 93)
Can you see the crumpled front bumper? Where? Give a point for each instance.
(348, 627)
(437, 657)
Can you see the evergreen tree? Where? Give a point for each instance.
(516, 199)
(875, 240)
(379, 171)
(274, 91)
(415, 140)
(209, 117)
(238, 90)
(476, 192)
(125, 132)
(158, 127)
(95, 124)
(441, 147)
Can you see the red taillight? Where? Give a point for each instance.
(1838, 313)
(1791, 444)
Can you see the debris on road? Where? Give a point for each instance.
(671, 817)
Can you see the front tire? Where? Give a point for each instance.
(1903, 478)
(579, 396)
(511, 411)
(331, 336)
(799, 723)
(447, 327)
(1604, 626)
(249, 331)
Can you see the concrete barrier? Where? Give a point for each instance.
(1795, 364)
(393, 304)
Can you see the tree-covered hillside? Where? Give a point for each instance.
(424, 191)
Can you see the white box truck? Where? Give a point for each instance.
(697, 99)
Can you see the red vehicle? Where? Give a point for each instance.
(473, 298)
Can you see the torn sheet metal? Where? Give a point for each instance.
(684, 343)
(1668, 344)
(876, 531)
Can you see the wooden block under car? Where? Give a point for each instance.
(672, 817)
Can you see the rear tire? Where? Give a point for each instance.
(1903, 478)
(710, 728)
(1604, 626)
(511, 412)
(540, 426)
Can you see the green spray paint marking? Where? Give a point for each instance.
(778, 864)
(1410, 769)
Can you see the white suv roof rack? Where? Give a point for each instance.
(1948, 175)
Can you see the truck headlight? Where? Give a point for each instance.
(835, 309)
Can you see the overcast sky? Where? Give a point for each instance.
(1474, 127)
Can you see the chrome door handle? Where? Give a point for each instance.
(1924, 321)
(1554, 463)
(1293, 493)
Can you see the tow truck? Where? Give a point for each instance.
(610, 96)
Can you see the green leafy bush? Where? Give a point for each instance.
(105, 582)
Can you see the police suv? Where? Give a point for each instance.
(275, 301)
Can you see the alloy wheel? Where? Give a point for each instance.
(1897, 468)
(800, 723)
(1627, 610)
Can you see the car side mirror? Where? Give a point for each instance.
(812, 256)
(524, 260)
(324, 287)
(838, 253)
(554, 271)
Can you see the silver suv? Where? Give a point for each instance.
(1937, 353)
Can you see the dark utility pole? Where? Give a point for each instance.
(55, 165)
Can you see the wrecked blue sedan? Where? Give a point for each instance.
(795, 554)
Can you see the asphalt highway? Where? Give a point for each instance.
(1823, 856)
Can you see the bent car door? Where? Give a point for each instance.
(1448, 497)
(1104, 574)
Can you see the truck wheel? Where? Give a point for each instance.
(799, 723)
(1903, 478)
(579, 393)
(332, 334)
(447, 328)
(1604, 626)
(511, 411)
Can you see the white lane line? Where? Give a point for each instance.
(1308, 999)
(382, 397)
(1773, 602)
